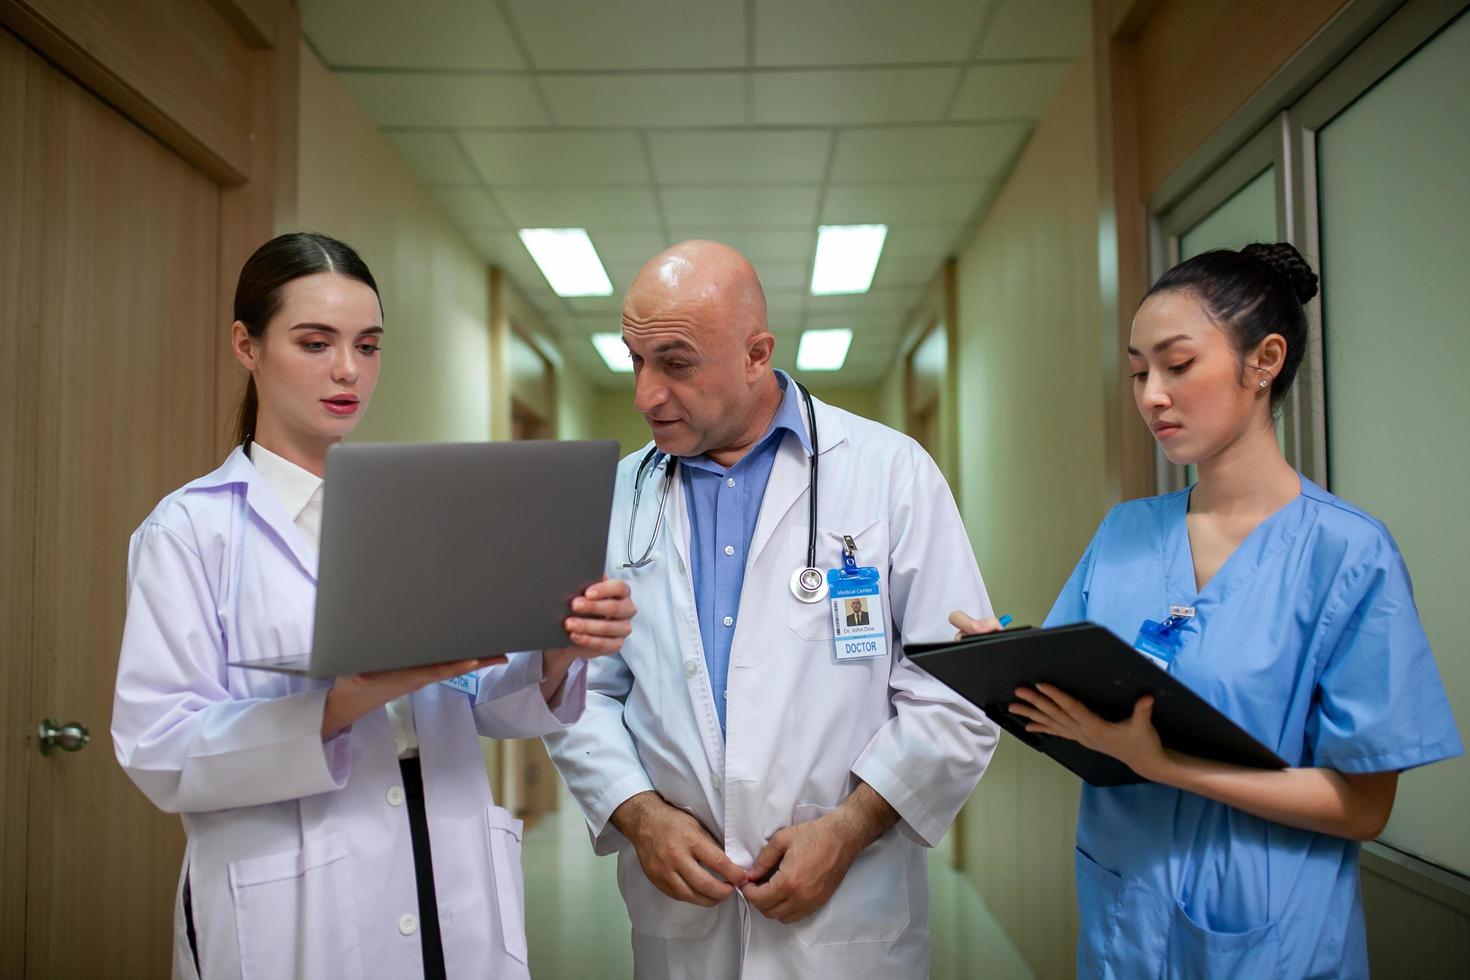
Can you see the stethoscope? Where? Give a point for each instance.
(808, 584)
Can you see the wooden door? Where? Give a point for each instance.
(19, 335)
(109, 339)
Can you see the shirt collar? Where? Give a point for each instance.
(294, 485)
(790, 417)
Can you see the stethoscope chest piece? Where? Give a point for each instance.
(809, 585)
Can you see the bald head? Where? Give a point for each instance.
(695, 322)
(700, 277)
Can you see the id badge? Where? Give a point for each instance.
(857, 613)
(468, 683)
(1160, 642)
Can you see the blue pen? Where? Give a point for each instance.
(1005, 621)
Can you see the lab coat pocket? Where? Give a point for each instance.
(813, 620)
(510, 883)
(1099, 897)
(295, 915)
(872, 903)
(1195, 951)
(653, 913)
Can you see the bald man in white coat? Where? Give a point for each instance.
(769, 788)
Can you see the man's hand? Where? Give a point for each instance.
(677, 854)
(602, 621)
(811, 859)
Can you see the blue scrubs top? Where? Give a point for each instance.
(1309, 639)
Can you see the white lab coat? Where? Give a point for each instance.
(801, 727)
(298, 855)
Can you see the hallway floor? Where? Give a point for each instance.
(578, 928)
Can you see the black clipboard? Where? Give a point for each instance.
(1097, 668)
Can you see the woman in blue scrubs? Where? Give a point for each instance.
(1286, 608)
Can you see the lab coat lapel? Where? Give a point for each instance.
(791, 476)
(691, 646)
(237, 469)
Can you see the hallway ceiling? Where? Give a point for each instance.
(652, 121)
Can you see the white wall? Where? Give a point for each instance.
(435, 383)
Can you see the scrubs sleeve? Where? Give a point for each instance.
(177, 730)
(1380, 704)
(596, 757)
(927, 758)
(1071, 604)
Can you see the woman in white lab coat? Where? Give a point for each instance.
(309, 809)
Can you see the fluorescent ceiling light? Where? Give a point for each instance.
(847, 256)
(614, 352)
(823, 350)
(568, 261)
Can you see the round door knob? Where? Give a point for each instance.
(71, 737)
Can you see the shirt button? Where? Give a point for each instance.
(408, 925)
(714, 778)
(729, 549)
(729, 481)
(395, 796)
(690, 668)
(729, 621)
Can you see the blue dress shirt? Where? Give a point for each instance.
(724, 505)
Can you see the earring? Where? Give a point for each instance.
(1265, 383)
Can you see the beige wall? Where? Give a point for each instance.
(1032, 481)
(435, 383)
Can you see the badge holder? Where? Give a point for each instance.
(857, 608)
(1160, 641)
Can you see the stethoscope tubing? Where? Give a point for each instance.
(649, 463)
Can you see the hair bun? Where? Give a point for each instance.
(1286, 262)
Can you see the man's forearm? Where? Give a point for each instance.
(867, 814)
(629, 812)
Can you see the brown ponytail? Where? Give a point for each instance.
(245, 414)
(279, 261)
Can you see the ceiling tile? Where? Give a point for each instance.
(579, 207)
(856, 32)
(469, 207)
(1038, 29)
(920, 240)
(646, 100)
(637, 246)
(911, 203)
(598, 312)
(871, 95)
(434, 157)
(874, 302)
(648, 34)
(780, 274)
(740, 207)
(557, 158)
(409, 99)
(751, 157)
(896, 270)
(769, 243)
(1008, 91)
(621, 271)
(873, 324)
(786, 302)
(979, 151)
(425, 34)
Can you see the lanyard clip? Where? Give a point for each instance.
(849, 555)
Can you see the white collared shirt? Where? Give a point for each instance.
(301, 491)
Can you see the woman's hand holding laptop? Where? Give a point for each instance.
(603, 619)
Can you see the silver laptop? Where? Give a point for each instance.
(441, 552)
